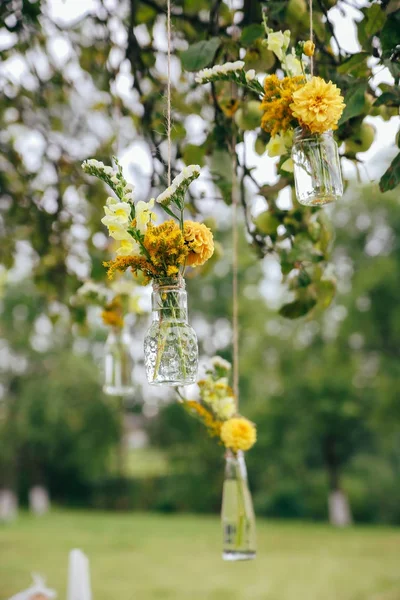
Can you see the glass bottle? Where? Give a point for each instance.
(170, 345)
(237, 514)
(118, 363)
(316, 168)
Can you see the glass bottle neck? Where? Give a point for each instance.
(301, 134)
(169, 300)
(235, 466)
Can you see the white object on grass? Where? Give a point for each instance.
(78, 576)
(37, 590)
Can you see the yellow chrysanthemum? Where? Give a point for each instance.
(318, 105)
(238, 434)
(276, 103)
(199, 241)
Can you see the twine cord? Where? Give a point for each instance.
(310, 3)
(169, 89)
(235, 253)
(235, 269)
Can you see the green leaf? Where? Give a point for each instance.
(297, 309)
(391, 178)
(193, 155)
(200, 55)
(326, 290)
(251, 33)
(355, 65)
(375, 19)
(355, 102)
(390, 34)
(221, 171)
(391, 98)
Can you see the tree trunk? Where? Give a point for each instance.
(39, 500)
(8, 505)
(338, 505)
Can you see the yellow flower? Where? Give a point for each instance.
(280, 144)
(288, 165)
(238, 434)
(112, 314)
(278, 42)
(276, 103)
(117, 213)
(292, 65)
(166, 247)
(213, 426)
(128, 246)
(318, 105)
(199, 241)
(144, 215)
(309, 48)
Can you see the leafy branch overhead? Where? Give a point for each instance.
(108, 91)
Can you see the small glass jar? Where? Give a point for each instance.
(170, 345)
(237, 514)
(316, 168)
(118, 363)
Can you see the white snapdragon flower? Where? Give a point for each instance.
(144, 214)
(117, 213)
(188, 173)
(208, 74)
(92, 162)
(225, 408)
(91, 289)
(250, 75)
(221, 363)
(109, 171)
(275, 43)
(292, 65)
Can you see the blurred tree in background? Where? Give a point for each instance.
(322, 391)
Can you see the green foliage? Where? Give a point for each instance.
(200, 55)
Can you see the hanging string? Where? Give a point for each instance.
(235, 253)
(235, 269)
(169, 89)
(311, 35)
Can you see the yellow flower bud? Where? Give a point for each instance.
(309, 48)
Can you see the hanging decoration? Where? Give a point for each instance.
(158, 253)
(120, 304)
(217, 408)
(299, 111)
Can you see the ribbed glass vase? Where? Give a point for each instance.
(237, 514)
(118, 363)
(316, 168)
(170, 345)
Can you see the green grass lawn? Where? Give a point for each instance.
(143, 557)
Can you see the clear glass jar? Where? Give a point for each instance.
(237, 514)
(118, 363)
(316, 168)
(170, 345)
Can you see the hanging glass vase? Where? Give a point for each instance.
(170, 345)
(118, 363)
(237, 514)
(316, 166)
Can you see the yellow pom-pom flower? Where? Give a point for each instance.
(238, 434)
(309, 48)
(318, 105)
(199, 242)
